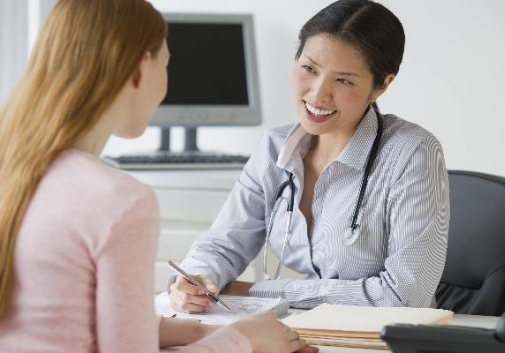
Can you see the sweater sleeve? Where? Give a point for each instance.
(126, 321)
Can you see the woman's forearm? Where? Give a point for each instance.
(178, 332)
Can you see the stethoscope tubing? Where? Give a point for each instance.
(368, 168)
(290, 182)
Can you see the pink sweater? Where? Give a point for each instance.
(84, 266)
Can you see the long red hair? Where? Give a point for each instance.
(85, 53)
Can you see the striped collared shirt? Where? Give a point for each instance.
(399, 256)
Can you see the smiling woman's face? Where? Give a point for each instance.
(333, 85)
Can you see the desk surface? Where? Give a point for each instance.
(206, 179)
(463, 320)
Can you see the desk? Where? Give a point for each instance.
(462, 320)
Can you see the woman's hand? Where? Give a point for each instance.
(267, 334)
(187, 298)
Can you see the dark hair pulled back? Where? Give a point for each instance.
(367, 25)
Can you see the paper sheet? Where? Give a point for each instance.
(363, 319)
(241, 306)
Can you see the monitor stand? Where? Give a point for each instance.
(189, 140)
(165, 140)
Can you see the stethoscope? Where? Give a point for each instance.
(352, 233)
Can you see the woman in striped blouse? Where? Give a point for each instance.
(354, 200)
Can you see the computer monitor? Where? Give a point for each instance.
(213, 75)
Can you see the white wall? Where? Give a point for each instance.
(13, 48)
(451, 81)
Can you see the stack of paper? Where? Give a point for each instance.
(358, 326)
(240, 306)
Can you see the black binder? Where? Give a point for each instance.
(402, 338)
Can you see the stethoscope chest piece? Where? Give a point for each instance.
(351, 235)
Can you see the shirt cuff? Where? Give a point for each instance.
(171, 280)
(269, 288)
(173, 277)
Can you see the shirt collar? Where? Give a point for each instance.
(355, 153)
(296, 144)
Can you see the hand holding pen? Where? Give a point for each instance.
(195, 282)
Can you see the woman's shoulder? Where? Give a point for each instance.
(276, 137)
(281, 131)
(85, 199)
(403, 139)
(403, 133)
(273, 139)
(81, 173)
(264, 157)
(279, 134)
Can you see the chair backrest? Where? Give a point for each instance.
(473, 281)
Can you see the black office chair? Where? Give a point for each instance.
(473, 281)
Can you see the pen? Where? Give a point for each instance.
(191, 279)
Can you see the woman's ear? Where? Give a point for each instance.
(141, 71)
(379, 91)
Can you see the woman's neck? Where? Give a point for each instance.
(326, 148)
(95, 140)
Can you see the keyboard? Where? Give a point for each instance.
(177, 160)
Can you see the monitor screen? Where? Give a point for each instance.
(212, 74)
(195, 72)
